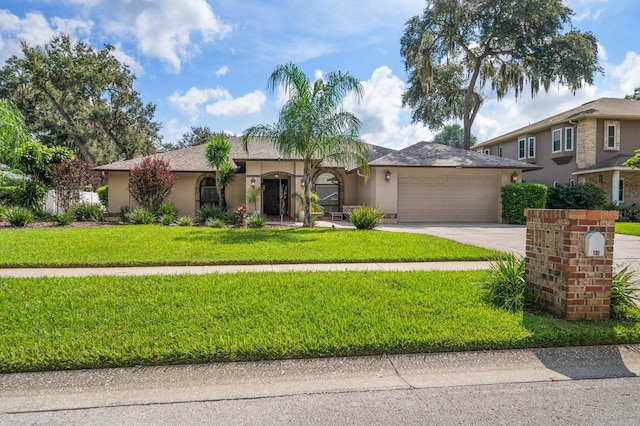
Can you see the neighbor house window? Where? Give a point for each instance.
(556, 140)
(568, 139)
(611, 135)
(531, 147)
(522, 151)
(499, 151)
(487, 151)
(621, 191)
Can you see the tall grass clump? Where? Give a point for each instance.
(504, 284)
(141, 216)
(87, 212)
(624, 293)
(365, 217)
(210, 211)
(19, 216)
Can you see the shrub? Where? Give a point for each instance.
(63, 219)
(624, 290)
(87, 212)
(3, 212)
(516, 197)
(214, 223)
(103, 196)
(365, 217)
(504, 284)
(167, 219)
(124, 213)
(165, 208)
(210, 211)
(141, 216)
(151, 181)
(185, 221)
(70, 177)
(19, 216)
(256, 221)
(30, 195)
(8, 195)
(581, 196)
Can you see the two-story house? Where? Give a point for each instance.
(589, 144)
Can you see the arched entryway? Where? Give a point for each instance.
(328, 186)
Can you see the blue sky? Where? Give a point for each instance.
(206, 62)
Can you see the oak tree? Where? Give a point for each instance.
(458, 47)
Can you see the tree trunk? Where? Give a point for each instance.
(307, 195)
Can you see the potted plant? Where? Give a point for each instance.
(315, 206)
(252, 197)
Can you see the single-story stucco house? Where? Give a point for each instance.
(425, 182)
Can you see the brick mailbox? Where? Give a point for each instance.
(570, 261)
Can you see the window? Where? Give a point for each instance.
(572, 182)
(556, 141)
(621, 192)
(568, 139)
(522, 152)
(555, 183)
(486, 151)
(499, 151)
(611, 135)
(531, 147)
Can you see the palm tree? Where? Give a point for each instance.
(217, 152)
(312, 126)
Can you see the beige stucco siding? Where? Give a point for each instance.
(118, 191)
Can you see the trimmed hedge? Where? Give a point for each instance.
(581, 196)
(516, 197)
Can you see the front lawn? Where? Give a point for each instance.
(169, 245)
(69, 323)
(628, 228)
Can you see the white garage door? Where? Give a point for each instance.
(448, 195)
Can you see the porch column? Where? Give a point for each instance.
(615, 187)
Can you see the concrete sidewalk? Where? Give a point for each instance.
(64, 390)
(228, 269)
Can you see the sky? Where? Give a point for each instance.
(206, 62)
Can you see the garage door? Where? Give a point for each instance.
(448, 195)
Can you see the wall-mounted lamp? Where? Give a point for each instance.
(387, 175)
(277, 176)
(302, 183)
(253, 183)
(514, 177)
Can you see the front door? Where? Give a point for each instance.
(276, 197)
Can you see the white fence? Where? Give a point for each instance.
(51, 200)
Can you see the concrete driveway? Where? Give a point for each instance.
(511, 238)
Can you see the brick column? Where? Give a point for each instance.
(560, 274)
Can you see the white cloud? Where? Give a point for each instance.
(217, 102)
(250, 103)
(628, 72)
(36, 30)
(223, 70)
(587, 14)
(163, 29)
(191, 101)
(173, 130)
(382, 115)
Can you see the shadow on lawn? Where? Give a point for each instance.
(251, 236)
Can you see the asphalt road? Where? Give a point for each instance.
(583, 385)
(582, 402)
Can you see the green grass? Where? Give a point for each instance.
(69, 323)
(628, 228)
(156, 245)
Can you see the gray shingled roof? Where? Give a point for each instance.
(431, 154)
(193, 159)
(600, 108)
(610, 163)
